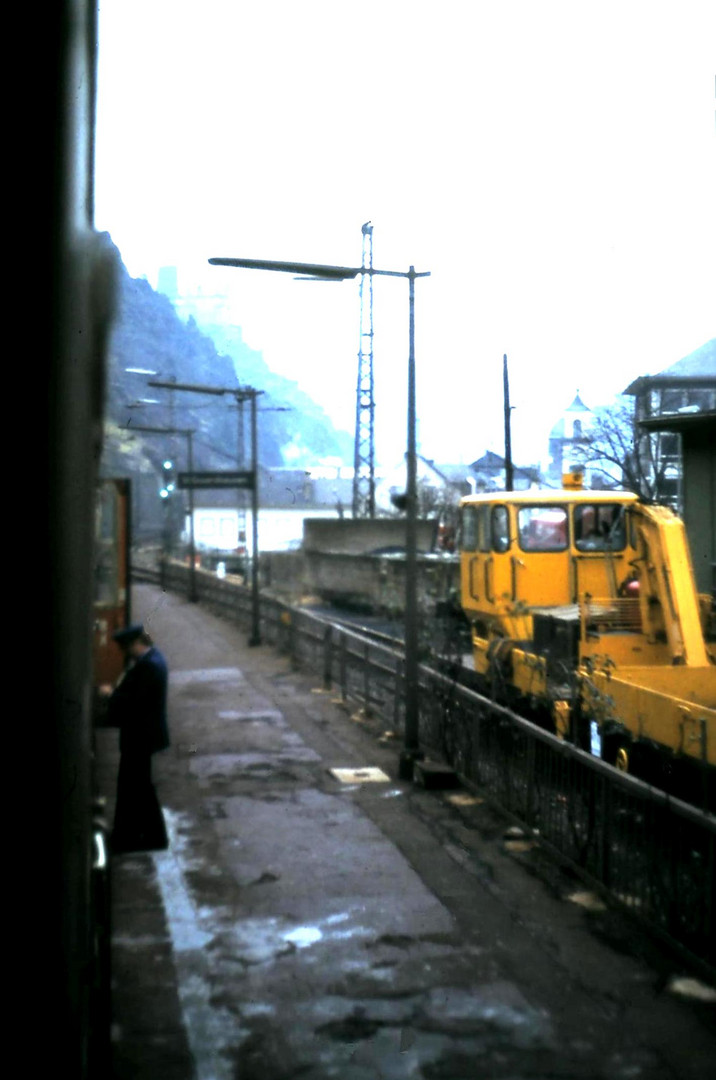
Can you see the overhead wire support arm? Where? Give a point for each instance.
(241, 394)
(319, 270)
(340, 273)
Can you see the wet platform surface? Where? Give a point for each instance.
(307, 924)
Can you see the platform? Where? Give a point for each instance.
(312, 923)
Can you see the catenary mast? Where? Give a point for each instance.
(364, 455)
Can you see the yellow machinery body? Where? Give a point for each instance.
(583, 607)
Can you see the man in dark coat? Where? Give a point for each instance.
(138, 707)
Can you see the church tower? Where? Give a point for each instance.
(569, 441)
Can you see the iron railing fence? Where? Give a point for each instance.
(652, 854)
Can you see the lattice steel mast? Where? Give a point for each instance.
(364, 454)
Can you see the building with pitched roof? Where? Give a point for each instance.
(489, 473)
(686, 388)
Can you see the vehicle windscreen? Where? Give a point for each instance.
(600, 527)
(542, 528)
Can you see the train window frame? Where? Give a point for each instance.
(599, 542)
(541, 508)
(500, 530)
(106, 565)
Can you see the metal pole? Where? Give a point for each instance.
(255, 638)
(411, 751)
(240, 464)
(192, 546)
(166, 527)
(509, 473)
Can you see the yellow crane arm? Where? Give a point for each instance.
(669, 580)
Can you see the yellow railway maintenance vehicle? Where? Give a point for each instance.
(584, 612)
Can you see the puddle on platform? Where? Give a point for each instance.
(205, 675)
(258, 941)
(253, 716)
(303, 936)
(499, 1008)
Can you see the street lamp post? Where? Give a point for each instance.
(411, 741)
(192, 545)
(255, 638)
(411, 744)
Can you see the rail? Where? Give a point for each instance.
(652, 855)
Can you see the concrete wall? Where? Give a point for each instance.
(364, 535)
(372, 581)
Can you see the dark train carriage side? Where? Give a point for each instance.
(64, 273)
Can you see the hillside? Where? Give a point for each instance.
(148, 334)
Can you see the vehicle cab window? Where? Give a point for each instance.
(475, 531)
(542, 528)
(468, 528)
(600, 527)
(500, 529)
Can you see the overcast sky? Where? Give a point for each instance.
(551, 163)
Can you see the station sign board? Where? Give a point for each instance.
(242, 480)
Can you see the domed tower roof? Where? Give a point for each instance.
(570, 431)
(577, 405)
(564, 425)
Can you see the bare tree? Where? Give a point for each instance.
(624, 454)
